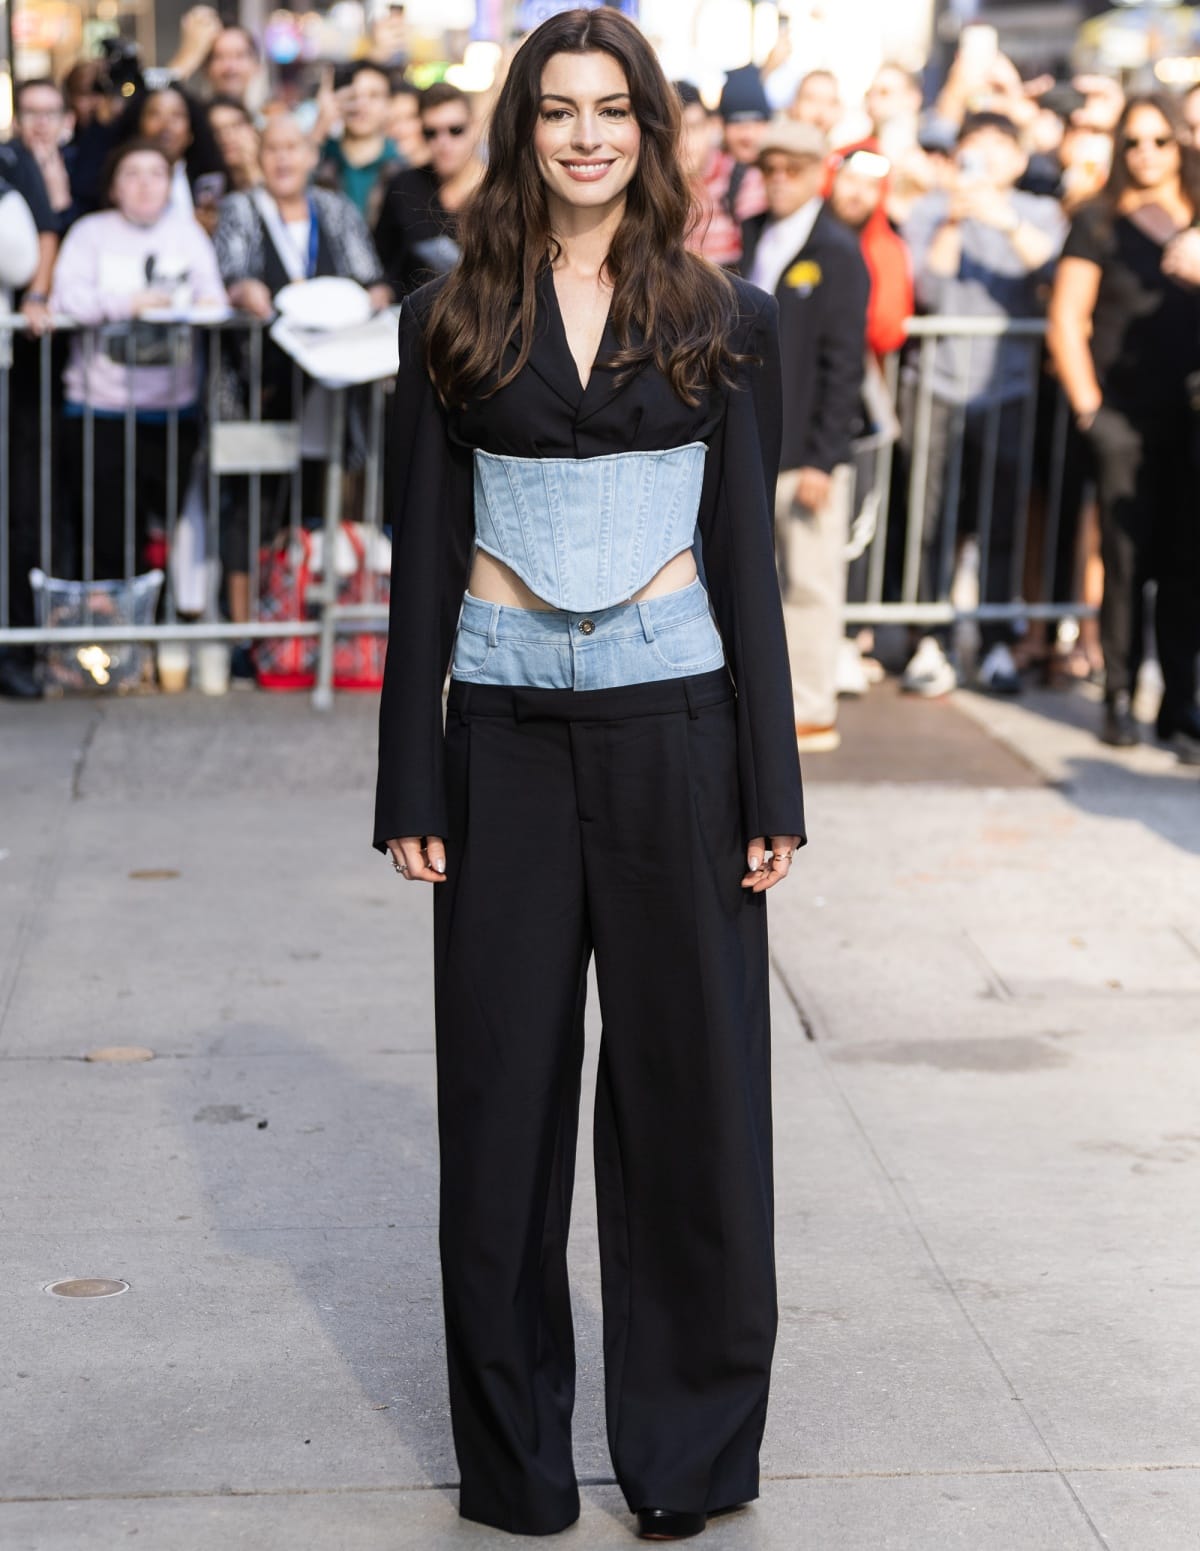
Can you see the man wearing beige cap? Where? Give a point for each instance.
(812, 264)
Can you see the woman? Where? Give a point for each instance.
(173, 121)
(141, 256)
(273, 236)
(576, 399)
(417, 230)
(1125, 339)
(237, 140)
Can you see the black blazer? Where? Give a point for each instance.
(545, 412)
(822, 337)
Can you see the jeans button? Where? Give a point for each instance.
(587, 626)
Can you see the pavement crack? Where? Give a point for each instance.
(797, 1006)
(81, 758)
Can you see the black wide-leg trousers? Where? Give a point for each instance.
(605, 822)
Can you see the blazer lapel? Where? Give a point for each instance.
(549, 354)
(603, 386)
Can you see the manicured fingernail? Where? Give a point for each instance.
(755, 863)
(439, 864)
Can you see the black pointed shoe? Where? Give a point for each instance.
(1120, 729)
(664, 1524)
(1180, 729)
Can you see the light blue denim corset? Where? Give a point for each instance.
(587, 533)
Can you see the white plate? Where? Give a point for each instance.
(328, 302)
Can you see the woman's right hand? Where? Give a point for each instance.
(420, 858)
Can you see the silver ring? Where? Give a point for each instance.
(400, 867)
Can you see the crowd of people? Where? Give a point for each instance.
(1001, 198)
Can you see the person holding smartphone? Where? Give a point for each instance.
(981, 249)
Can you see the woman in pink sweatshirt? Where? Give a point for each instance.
(117, 270)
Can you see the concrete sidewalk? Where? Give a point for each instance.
(988, 1155)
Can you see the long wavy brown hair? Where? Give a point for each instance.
(685, 306)
(1120, 180)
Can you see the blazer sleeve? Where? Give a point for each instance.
(429, 495)
(840, 356)
(737, 534)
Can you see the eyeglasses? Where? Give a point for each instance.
(1132, 142)
(431, 132)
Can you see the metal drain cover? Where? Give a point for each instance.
(120, 1053)
(154, 874)
(87, 1287)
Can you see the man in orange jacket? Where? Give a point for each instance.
(857, 191)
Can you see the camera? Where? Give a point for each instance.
(120, 68)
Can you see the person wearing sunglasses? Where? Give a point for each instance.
(1125, 340)
(417, 230)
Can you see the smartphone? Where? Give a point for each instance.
(209, 188)
(973, 165)
(978, 48)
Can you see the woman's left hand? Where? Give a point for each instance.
(769, 860)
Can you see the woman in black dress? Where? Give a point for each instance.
(1125, 340)
(584, 411)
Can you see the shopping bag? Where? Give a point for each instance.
(287, 571)
(358, 658)
(111, 665)
(285, 578)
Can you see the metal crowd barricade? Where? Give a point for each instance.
(894, 475)
(897, 484)
(248, 447)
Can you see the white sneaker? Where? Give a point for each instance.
(930, 672)
(998, 672)
(850, 676)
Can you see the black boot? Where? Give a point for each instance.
(18, 677)
(1119, 728)
(1181, 730)
(663, 1524)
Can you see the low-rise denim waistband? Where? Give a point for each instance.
(623, 622)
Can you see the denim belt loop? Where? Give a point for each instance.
(494, 626)
(647, 624)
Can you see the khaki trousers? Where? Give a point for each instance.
(810, 551)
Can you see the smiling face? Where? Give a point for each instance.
(232, 65)
(165, 121)
(587, 139)
(288, 159)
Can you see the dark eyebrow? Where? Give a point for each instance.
(556, 97)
